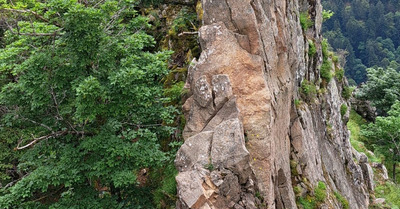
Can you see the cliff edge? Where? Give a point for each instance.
(266, 126)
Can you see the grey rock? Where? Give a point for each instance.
(222, 90)
(363, 158)
(195, 151)
(202, 92)
(230, 188)
(190, 190)
(228, 149)
(368, 174)
(379, 201)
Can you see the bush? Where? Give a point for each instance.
(308, 90)
(311, 48)
(307, 202)
(326, 73)
(342, 200)
(343, 109)
(320, 192)
(305, 21)
(325, 46)
(347, 91)
(327, 14)
(339, 74)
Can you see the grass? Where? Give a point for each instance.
(305, 21)
(308, 90)
(354, 125)
(347, 91)
(326, 69)
(388, 190)
(343, 201)
(320, 192)
(312, 201)
(339, 74)
(311, 48)
(343, 110)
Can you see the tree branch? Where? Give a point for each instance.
(52, 135)
(34, 13)
(188, 33)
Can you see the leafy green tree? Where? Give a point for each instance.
(382, 89)
(82, 103)
(384, 134)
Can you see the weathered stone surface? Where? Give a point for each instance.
(382, 171)
(230, 188)
(368, 174)
(228, 111)
(217, 144)
(202, 92)
(254, 60)
(195, 152)
(363, 108)
(363, 158)
(222, 90)
(228, 149)
(190, 189)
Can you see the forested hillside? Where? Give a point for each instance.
(368, 31)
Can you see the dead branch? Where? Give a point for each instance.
(52, 135)
(189, 33)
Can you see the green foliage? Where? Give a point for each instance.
(313, 201)
(297, 190)
(164, 196)
(384, 134)
(326, 70)
(311, 48)
(209, 166)
(342, 200)
(325, 48)
(326, 67)
(339, 74)
(327, 14)
(320, 192)
(347, 92)
(305, 21)
(184, 21)
(390, 192)
(343, 109)
(382, 89)
(366, 31)
(356, 139)
(85, 104)
(308, 90)
(297, 103)
(307, 203)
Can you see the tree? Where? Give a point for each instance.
(384, 134)
(382, 89)
(84, 103)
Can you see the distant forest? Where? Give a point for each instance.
(368, 31)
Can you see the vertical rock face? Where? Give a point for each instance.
(249, 140)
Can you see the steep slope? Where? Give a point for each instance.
(264, 130)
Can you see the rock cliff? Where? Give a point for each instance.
(264, 128)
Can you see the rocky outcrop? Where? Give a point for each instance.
(363, 108)
(214, 163)
(250, 137)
